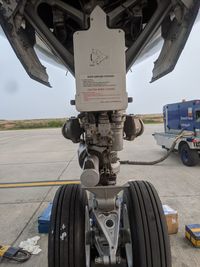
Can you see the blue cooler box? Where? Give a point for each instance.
(44, 220)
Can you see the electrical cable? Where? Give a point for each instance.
(128, 162)
(14, 254)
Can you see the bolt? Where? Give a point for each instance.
(118, 259)
(99, 260)
(109, 223)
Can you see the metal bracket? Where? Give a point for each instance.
(106, 208)
(105, 196)
(109, 224)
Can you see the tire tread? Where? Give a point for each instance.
(68, 217)
(151, 248)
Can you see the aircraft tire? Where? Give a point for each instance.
(150, 240)
(67, 228)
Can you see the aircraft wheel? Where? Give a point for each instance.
(149, 237)
(66, 246)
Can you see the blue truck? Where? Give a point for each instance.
(182, 117)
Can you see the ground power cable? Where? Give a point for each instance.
(154, 162)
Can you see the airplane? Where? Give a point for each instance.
(151, 45)
(99, 223)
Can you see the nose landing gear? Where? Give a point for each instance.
(128, 229)
(97, 223)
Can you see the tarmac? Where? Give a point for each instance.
(34, 155)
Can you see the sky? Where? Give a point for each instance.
(23, 98)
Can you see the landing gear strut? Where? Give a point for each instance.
(98, 223)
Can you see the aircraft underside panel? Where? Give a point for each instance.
(56, 21)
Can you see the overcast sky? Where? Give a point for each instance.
(23, 98)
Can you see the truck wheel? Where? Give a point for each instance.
(188, 156)
(150, 240)
(66, 246)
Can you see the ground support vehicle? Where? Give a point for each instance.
(187, 147)
(182, 117)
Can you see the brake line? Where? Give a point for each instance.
(128, 162)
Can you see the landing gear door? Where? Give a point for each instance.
(100, 68)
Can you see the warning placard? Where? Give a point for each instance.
(99, 89)
(100, 68)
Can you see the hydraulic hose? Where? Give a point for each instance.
(128, 162)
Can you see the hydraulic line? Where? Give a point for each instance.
(128, 162)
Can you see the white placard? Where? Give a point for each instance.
(100, 68)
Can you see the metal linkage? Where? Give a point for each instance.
(114, 15)
(77, 15)
(105, 205)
